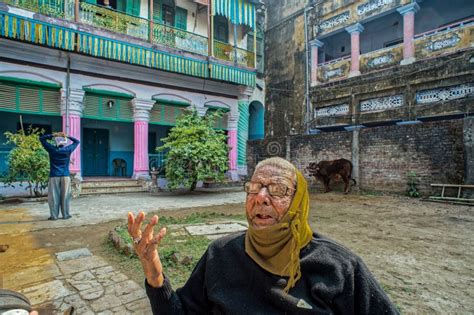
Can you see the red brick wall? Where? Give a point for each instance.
(433, 150)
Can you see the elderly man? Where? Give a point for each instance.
(59, 184)
(278, 266)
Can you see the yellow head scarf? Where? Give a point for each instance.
(277, 248)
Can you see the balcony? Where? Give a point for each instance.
(229, 62)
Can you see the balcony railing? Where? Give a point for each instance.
(181, 39)
(227, 52)
(113, 20)
(48, 7)
(119, 22)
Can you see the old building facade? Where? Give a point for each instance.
(387, 84)
(117, 74)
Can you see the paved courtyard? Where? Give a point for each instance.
(55, 281)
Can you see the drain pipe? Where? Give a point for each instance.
(68, 82)
(308, 103)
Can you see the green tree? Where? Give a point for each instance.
(27, 161)
(196, 151)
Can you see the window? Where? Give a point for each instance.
(167, 14)
(181, 19)
(221, 29)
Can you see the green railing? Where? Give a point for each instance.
(228, 52)
(178, 38)
(48, 7)
(112, 20)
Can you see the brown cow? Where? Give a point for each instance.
(327, 170)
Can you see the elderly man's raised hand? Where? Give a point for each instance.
(145, 244)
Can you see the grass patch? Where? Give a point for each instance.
(179, 252)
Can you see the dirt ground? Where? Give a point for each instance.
(421, 252)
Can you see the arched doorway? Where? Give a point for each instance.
(256, 120)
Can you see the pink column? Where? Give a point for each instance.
(232, 143)
(74, 131)
(408, 13)
(140, 157)
(315, 44)
(355, 31)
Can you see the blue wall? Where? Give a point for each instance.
(120, 141)
(256, 120)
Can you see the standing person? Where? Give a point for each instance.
(278, 266)
(59, 185)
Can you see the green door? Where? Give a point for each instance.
(95, 151)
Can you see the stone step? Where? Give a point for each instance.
(112, 190)
(109, 183)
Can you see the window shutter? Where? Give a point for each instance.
(133, 7)
(7, 97)
(157, 11)
(181, 18)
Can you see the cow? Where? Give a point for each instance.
(336, 169)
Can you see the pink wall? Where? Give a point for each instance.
(74, 131)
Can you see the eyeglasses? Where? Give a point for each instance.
(274, 189)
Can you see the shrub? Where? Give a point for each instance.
(197, 151)
(412, 182)
(27, 161)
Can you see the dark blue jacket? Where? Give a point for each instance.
(59, 157)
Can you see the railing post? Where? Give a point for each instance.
(210, 29)
(76, 11)
(150, 20)
(408, 13)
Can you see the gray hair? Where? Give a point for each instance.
(280, 163)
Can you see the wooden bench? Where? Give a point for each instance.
(457, 199)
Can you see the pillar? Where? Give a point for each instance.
(314, 44)
(468, 140)
(355, 31)
(72, 125)
(141, 117)
(232, 143)
(408, 13)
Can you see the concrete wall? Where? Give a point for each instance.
(433, 150)
(284, 68)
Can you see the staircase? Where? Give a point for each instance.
(110, 185)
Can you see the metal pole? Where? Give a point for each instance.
(308, 103)
(210, 29)
(235, 43)
(150, 18)
(68, 79)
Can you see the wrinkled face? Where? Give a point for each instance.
(265, 209)
(313, 168)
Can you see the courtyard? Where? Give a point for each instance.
(419, 251)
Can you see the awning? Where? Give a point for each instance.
(237, 11)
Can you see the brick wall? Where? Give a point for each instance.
(433, 150)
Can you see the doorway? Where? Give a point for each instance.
(95, 148)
